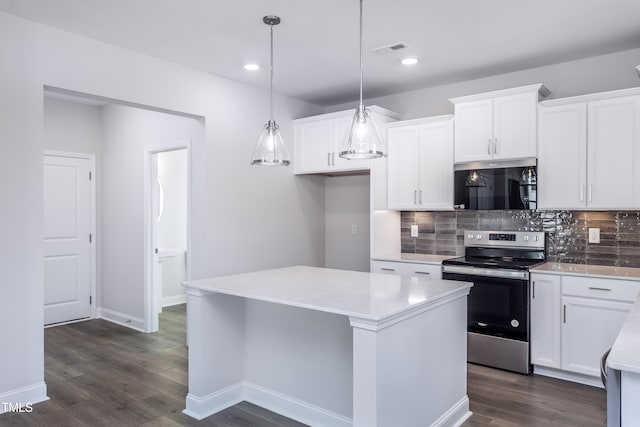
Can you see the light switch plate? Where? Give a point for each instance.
(414, 230)
(594, 235)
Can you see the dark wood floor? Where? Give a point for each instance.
(101, 374)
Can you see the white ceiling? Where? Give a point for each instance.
(316, 45)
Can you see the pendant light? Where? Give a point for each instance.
(528, 176)
(270, 149)
(474, 179)
(363, 140)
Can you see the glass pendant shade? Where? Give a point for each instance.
(363, 141)
(528, 176)
(270, 150)
(474, 179)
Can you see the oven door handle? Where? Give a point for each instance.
(486, 272)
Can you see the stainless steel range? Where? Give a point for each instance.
(498, 262)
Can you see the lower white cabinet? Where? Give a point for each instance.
(433, 271)
(589, 328)
(574, 320)
(545, 320)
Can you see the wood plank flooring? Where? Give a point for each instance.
(101, 374)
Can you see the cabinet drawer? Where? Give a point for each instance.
(608, 289)
(433, 271)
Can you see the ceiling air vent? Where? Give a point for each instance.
(390, 48)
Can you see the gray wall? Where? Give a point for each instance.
(590, 75)
(346, 204)
(232, 200)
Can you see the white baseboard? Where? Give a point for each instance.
(121, 319)
(568, 376)
(202, 407)
(456, 415)
(174, 300)
(34, 393)
(293, 408)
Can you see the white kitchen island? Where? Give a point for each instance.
(330, 347)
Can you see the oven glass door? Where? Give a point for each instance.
(497, 306)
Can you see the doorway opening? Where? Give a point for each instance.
(167, 251)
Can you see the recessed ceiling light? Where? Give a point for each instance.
(409, 61)
(251, 67)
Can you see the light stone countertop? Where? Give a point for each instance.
(368, 296)
(417, 258)
(625, 353)
(602, 271)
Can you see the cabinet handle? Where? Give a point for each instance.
(420, 196)
(495, 146)
(564, 313)
(590, 193)
(415, 197)
(387, 269)
(333, 159)
(582, 193)
(422, 272)
(533, 289)
(593, 288)
(328, 159)
(489, 146)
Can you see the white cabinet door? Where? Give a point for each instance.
(589, 328)
(67, 256)
(340, 128)
(420, 174)
(403, 167)
(474, 131)
(562, 156)
(313, 145)
(545, 320)
(436, 166)
(614, 153)
(514, 126)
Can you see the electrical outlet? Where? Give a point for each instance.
(414, 230)
(594, 235)
(354, 228)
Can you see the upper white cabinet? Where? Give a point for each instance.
(420, 164)
(498, 125)
(317, 141)
(587, 149)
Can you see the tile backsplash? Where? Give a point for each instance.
(441, 233)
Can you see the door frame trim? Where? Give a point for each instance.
(93, 276)
(151, 318)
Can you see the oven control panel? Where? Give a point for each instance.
(514, 239)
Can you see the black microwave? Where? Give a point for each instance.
(496, 188)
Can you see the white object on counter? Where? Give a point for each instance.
(337, 348)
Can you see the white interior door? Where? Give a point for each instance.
(67, 247)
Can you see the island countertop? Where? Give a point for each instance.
(368, 296)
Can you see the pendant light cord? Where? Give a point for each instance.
(361, 68)
(271, 78)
